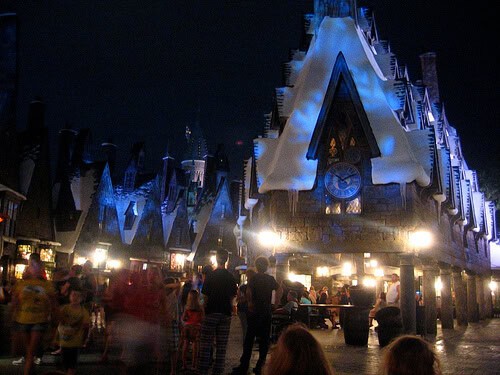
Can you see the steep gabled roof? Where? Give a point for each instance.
(282, 163)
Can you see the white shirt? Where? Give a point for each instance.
(392, 293)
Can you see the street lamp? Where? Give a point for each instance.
(347, 269)
(420, 239)
(379, 272)
(99, 256)
(114, 264)
(493, 286)
(269, 238)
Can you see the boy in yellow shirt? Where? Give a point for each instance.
(73, 328)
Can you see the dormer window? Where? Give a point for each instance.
(130, 216)
(129, 180)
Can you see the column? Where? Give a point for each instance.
(472, 314)
(359, 262)
(460, 297)
(488, 300)
(446, 315)
(429, 280)
(379, 286)
(480, 297)
(282, 266)
(407, 302)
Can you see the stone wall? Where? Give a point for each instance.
(382, 227)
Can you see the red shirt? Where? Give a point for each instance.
(193, 317)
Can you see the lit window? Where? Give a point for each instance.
(333, 208)
(24, 251)
(354, 206)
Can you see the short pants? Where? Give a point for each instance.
(38, 327)
(69, 357)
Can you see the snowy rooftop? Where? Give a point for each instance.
(282, 162)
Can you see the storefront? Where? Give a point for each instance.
(27, 246)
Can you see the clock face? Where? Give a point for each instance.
(343, 180)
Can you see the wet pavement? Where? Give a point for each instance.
(465, 350)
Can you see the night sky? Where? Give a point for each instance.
(140, 70)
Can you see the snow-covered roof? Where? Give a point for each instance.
(282, 163)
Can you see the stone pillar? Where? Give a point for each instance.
(460, 297)
(472, 315)
(359, 263)
(480, 297)
(446, 315)
(488, 300)
(407, 302)
(429, 281)
(282, 267)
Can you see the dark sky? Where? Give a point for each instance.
(138, 70)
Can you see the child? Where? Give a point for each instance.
(73, 328)
(192, 318)
(410, 355)
(298, 352)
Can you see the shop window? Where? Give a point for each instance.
(47, 255)
(177, 261)
(19, 270)
(24, 251)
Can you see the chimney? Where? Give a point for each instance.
(66, 144)
(167, 172)
(109, 149)
(36, 114)
(333, 8)
(429, 75)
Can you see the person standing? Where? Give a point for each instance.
(73, 324)
(393, 291)
(33, 304)
(219, 291)
(259, 293)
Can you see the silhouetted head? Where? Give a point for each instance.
(410, 355)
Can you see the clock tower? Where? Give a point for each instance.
(343, 143)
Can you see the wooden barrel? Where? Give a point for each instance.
(356, 325)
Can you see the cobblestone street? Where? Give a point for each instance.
(467, 351)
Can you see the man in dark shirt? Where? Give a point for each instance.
(259, 293)
(219, 291)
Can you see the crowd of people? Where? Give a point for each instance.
(154, 320)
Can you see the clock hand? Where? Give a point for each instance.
(342, 179)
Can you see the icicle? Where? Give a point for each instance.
(293, 199)
(402, 190)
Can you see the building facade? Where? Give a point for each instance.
(360, 175)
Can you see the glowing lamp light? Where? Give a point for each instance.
(114, 264)
(438, 285)
(80, 260)
(369, 282)
(323, 271)
(420, 239)
(373, 263)
(347, 269)
(99, 256)
(213, 260)
(269, 238)
(493, 286)
(379, 272)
